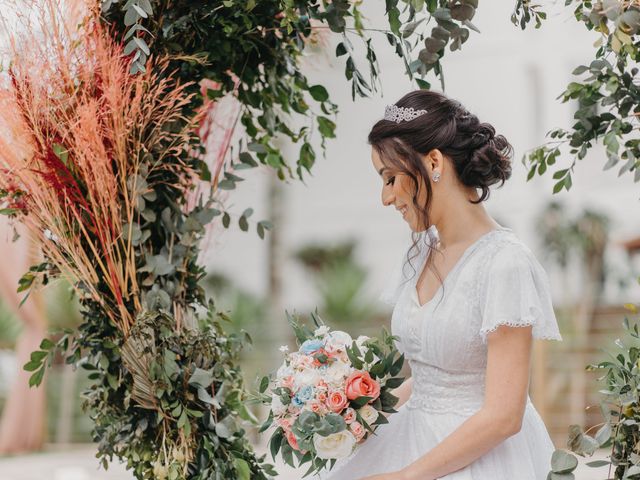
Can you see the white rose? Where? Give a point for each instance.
(309, 376)
(284, 371)
(336, 373)
(368, 414)
(336, 445)
(339, 337)
(277, 406)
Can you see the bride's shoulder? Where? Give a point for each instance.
(508, 251)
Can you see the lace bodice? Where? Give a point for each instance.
(497, 281)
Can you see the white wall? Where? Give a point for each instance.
(507, 77)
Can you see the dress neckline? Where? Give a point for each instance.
(459, 262)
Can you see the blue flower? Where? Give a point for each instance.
(306, 393)
(310, 346)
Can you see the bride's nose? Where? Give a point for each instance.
(388, 198)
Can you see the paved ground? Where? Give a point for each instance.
(79, 463)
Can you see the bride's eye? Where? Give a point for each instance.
(391, 180)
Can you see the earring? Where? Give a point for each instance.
(436, 177)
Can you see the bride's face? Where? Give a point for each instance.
(398, 191)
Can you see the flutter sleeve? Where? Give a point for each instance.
(517, 294)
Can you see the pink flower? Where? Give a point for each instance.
(318, 407)
(305, 361)
(349, 415)
(291, 438)
(288, 382)
(360, 384)
(285, 423)
(337, 400)
(321, 397)
(322, 385)
(358, 430)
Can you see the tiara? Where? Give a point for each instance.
(399, 114)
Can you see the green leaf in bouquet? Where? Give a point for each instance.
(354, 356)
(368, 357)
(331, 423)
(388, 399)
(318, 322)
(311, 470)
(301, 332)
(356, 350)
(267, 423)
(307, 457)
(397, 366)
(276, 441)
(306, 423)
(306, 443)
(284, 394)
(394, 382)
(321, 357)
(287, 453)
(381, 420)
(377, 371)
(360, 401)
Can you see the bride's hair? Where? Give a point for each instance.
(480, 157)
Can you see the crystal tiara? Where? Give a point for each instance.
(399, 114)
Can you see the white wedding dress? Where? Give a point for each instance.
(497, 281)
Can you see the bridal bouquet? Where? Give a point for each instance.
(329, 395)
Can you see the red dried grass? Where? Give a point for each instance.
(74, 125)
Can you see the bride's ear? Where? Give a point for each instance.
(434, 162)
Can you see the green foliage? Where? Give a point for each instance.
(608, 96)
(620, 409)
(524, 12)
(252, 49)
(340, 281)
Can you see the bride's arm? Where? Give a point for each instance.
(506, 385)
(403, 392)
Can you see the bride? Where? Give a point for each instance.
(468, 300)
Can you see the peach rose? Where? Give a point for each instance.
(360, 384)
(337, 400)
(358, 430)
(321, 397)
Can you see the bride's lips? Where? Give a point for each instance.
(403, 210)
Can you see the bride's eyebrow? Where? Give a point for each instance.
(382, 170)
